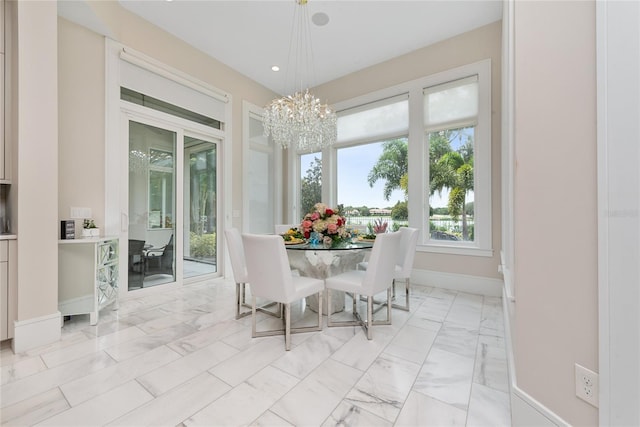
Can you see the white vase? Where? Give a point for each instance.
(90, 232)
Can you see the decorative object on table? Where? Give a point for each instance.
(327, 223)
(369, 237)
(67, 229)
(379, 226)
(300, 119)
(293, 236)
(89, 228)
(283, 228)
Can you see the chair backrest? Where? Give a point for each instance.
(167, 254)
(381, 267)
(283, 228)
(236, 253)
(136, 246)
(268, 267)
(406, 252)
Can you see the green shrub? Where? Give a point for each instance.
(400, 212)
(202, 245)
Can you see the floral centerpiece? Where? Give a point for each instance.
(327, 222)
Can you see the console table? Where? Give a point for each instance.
(87, 276)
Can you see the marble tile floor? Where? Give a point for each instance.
(179, 358)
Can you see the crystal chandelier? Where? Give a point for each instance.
(300, 120)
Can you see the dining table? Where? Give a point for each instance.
(320, 261)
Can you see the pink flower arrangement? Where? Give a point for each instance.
(326, 222)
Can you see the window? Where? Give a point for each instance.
(310, 181)
(450, 119)
(372, 163)
(160, 189)
(261, 166)
(456, 149)
(420, 150)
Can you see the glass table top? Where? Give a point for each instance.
(337, 247)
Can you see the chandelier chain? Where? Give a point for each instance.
(300, 120)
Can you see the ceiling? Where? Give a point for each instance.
(252, 36)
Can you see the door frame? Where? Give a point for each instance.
(116, 215)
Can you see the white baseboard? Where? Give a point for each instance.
(458, 282)
(32, 333)
(525, 410)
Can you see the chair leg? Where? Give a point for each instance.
(369, 317)
(253, 318)
(388, 305)
(407, 285)
(287, 327)
(329, 308)
(320, 310)
(331, 323)
(241, 301)
(355, 303)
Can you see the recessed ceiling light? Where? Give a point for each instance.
(320, 19)
(275, 68)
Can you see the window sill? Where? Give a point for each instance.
(455, 250)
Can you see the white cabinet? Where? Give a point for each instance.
(8, 287)
(87, 276)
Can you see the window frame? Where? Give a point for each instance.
(252, 111)
(482, 244)
(164, 170)
(418, 201)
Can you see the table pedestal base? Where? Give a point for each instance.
(337, 304)
(321, 264)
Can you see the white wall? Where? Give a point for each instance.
(77, 44)
(555, 225)
(467, 48)
(36, 175)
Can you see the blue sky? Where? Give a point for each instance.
(354, 165)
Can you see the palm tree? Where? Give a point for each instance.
(392, 166)
(453, 170)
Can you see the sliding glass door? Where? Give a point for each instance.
(172, 204)
(152, 205)
(200, 207)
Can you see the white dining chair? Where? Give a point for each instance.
(271, 278)
(367, 283)
(240, 276)
(404, 264)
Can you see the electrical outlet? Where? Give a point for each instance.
(587, 385)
